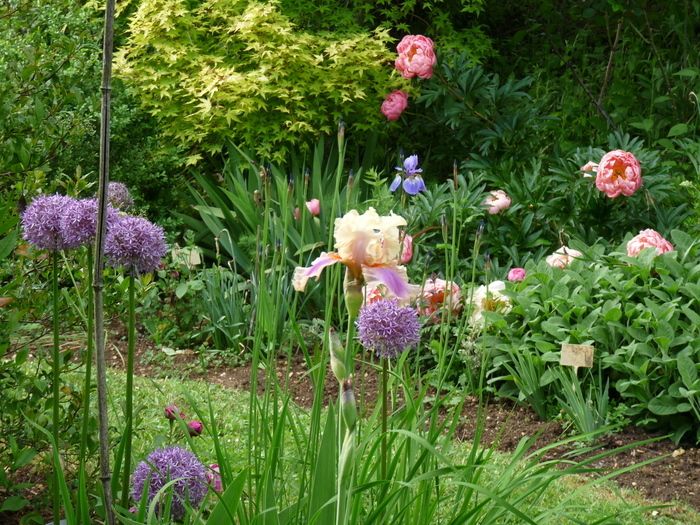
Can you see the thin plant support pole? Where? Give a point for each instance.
(107, 49)
(82, 492)
(129, 410)
(56, 356)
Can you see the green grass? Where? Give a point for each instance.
(231, 411)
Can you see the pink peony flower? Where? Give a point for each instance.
(437, 293)
(314, 207)
(648, 239)
(563, 257)
(195, 428)
(416, 57)
(407, 251)
(497, 201)
(516, 275)
(214, 477)
(394, 104)
(619, 172)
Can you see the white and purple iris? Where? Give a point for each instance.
(410, 174)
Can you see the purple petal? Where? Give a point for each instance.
(410, 165)
(303, 273)
(413, 185)
(395, 184)
(391, 276)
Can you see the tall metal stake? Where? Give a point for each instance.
(107, 49)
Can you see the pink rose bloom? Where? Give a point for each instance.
(515, 275)
(619, 172)
(314, 207)
(437, 293)
(416, 57)
(648, 239)
(195, 428)
(394, 104)
(563, 257)
(214, 477)
(497, 201)
(407, 251)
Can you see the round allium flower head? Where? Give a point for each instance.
(387, 328)
(168, 464)
(118, 196)
(618, 173)
(648, 239)
(79, 222)
(41, 221)
(135, 243)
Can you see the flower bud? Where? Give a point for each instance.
(348, 406)
(195, 428)
(314, 207)
(337, 356)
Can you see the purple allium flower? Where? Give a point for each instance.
(118, 196)
(412, 181)
(79, 222)
(168, 464)
(41, 221)
(387, 328)
(135, 243)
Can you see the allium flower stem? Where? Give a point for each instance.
(55, 378)
(129, 400)
(385, 410)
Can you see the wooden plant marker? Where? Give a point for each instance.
(577, 356)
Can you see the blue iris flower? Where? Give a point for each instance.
(410, 174)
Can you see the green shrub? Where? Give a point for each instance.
(641, 314)
(240, 71)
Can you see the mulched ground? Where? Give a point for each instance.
(675, 477)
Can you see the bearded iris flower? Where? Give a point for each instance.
(369, 246)
(410, 174)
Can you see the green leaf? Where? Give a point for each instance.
(664, 405)
(13, 504)
(225, 510)
(678, 129)
(181, 290)
(687, 369)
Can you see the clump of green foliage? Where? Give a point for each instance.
(640, 313)
(241, 71)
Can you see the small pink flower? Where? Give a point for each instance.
(407, 251)
(648, 239)
(394, 104)
(563, 257)
(214, 477)
(516, 275)
(314, 207)
(619, 172)
(436, 294)
(497, 201)
(416, 57)
(589, 168)
(296, 214)
(195, 428)
(173, 413)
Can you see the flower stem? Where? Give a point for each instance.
(129, 394)
(55, 378)
(86, 387)
(385, 402)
